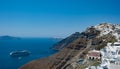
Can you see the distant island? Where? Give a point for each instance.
(56, 38)
(7, 37)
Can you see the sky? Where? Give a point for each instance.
(55, 18)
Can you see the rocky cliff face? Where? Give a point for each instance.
(65, 42)
(76, 46)
(91, 32)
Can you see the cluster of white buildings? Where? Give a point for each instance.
(109, 28)
(110, 57)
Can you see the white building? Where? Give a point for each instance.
(93, 54)
(111, 56)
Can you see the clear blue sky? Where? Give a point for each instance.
(54, 18)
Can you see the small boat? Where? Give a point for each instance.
(20, 53)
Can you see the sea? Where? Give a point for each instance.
(39, 48)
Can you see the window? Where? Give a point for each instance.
(116, 44)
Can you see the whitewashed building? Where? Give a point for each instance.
(93, 54)
(111, 56)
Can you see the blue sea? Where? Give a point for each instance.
(39, 48)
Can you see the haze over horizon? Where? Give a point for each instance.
(54, 18)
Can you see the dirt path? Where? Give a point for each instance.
(75, 59)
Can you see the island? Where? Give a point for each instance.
(81, 50)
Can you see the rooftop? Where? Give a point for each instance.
(94, 53)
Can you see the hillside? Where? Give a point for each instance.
(76, 47)
(63, 43)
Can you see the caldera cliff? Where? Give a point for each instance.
(76, 46)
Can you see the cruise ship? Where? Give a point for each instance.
(19, 53)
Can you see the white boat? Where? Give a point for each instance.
(19, 53)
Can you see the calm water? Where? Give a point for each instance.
(39, 48)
